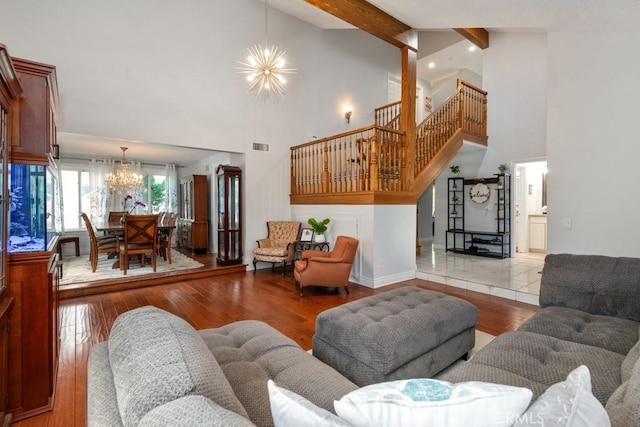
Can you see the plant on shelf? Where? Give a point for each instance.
(503, 168)
(455, 169)
(455, 200)
(319, 228)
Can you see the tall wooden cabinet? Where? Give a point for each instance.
(193, 223)
(229, 215)
(32, 264)
(10, 90)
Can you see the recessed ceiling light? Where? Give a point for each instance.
(472, 48)
(432, 64)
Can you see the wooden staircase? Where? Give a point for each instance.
(375, 165)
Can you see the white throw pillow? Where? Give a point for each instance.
(567, 404)
(428, 402)
(290, 409)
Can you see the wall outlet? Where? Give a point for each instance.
(566, 223)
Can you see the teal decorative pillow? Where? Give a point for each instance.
(290, 409)
(428, 402)
(567, 404)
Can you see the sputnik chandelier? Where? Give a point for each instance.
(124, 179)
(265, 67)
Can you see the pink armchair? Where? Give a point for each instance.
(330, 269)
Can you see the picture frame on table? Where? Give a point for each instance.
(306, 235)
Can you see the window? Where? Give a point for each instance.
(75, 197)
(154, 192)
(76, 194)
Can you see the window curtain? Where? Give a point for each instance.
(171, 189)
(101, 196)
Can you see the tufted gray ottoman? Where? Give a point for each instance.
(405, 333)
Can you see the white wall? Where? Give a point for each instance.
(166, 72)
(592, 143)
(515, 77)
(387, 235)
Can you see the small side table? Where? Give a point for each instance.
(69, 239)
(303, 246)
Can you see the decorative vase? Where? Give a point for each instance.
(319, 238)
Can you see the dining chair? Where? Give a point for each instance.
(114, 216)
(165, 238)
(98, 244)
(140, 238)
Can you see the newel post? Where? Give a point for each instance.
(408, 118)
(325, 167)
(373, 162)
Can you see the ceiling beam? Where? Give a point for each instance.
(369, 18)
(477, 36)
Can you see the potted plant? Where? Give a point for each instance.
(503, 168)
(455, 169)
(455, 200)
(319, 228)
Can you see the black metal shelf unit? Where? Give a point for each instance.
(496, 243)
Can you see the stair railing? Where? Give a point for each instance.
(465, 109)
(372, 159)
(365, 159)
(388, 115)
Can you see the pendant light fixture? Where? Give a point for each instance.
(124, 179)
(265, 67)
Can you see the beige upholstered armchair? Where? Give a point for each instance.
(330, 269)
(279, 245)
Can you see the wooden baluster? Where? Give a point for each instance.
(292, 178)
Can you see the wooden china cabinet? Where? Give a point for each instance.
(193, 223)
(229, 215)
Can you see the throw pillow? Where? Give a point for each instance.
(428, 402)
(567, 404)
(291, 409)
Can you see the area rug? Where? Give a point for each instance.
(482, 339)
(78, 269)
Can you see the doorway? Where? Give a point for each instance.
(530, 209)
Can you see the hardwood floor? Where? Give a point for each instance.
(213, 302)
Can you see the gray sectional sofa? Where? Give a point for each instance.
(156, 370)
(590, 315)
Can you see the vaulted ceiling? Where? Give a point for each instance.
(494, 15)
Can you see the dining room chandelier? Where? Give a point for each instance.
(124, 179)
(265, 67)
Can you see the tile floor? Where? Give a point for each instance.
(515, 278)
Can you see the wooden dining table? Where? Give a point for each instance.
(117, 228)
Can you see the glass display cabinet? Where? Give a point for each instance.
(33, 203)
(229, 216)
